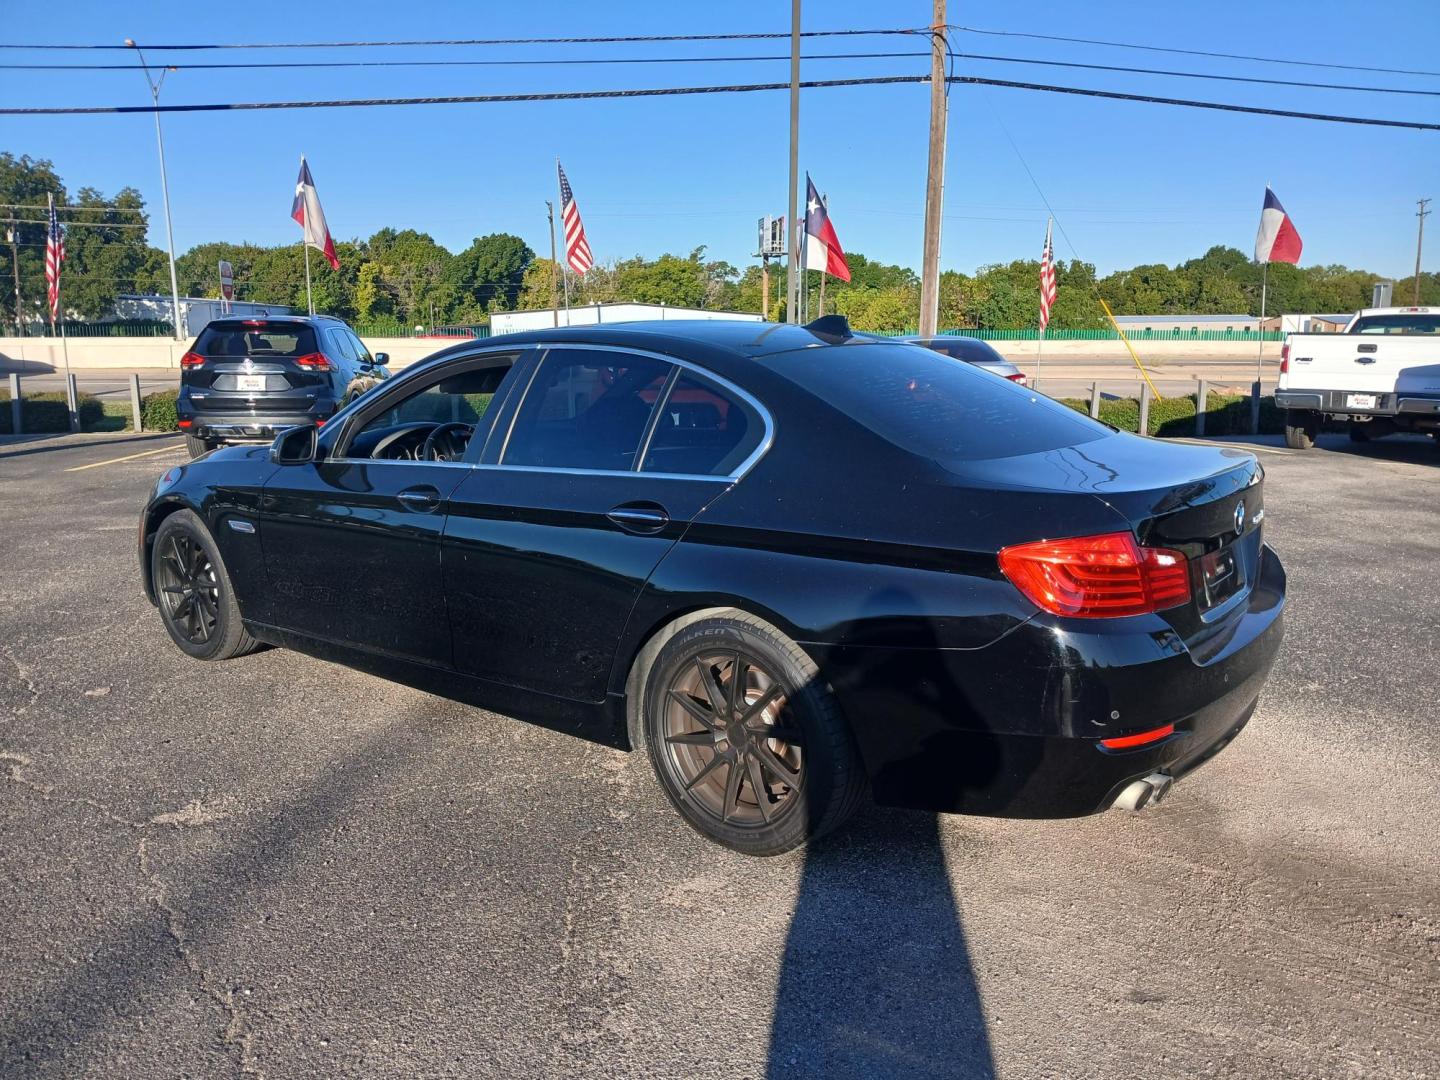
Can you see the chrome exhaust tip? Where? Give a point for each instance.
(1139, 794)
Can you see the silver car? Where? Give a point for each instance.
(972, 351)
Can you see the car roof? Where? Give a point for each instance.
(735, 336)
(251, 320)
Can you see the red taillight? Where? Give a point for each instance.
(184, 423)
(1018, 377)
(191, 360)
(314, 362)
(1284, 358)
(1126, 742)
(1097, 577)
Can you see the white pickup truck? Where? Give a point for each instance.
(1382, 375)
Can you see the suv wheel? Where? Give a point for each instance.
(197, 446)
(745, 738)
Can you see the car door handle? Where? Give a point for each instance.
(423, 499)
(640, 517)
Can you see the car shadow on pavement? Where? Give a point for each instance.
(876, 979)
(1403, 449)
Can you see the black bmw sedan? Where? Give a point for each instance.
(793, 567)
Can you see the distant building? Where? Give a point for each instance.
(513, 322)
(1187, 324)
(195, 311)
(1310, 324)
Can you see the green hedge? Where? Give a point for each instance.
(1225, 414)
(49, 412)
(157, 411)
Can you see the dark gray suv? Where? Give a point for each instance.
(245, 380)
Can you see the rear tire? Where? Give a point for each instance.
(197, 446)
(746, 739)
(1301, 428)
(193, 591)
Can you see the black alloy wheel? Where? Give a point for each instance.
(193, 591)
(186, 585)
(745, 737)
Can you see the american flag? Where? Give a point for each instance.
(1047, 280)
(54, 256)
(577, 248)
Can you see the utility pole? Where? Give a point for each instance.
(1419, 244)
(935, 178)
(155, 85)
(792, 275)
(13, 234)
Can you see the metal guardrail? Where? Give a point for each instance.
(125, 328)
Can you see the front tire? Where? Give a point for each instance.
(193, 591)
(1301, 429)
(747, 741)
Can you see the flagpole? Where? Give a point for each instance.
(72, 406)
(309, 299)
(565, 277)
(1040, 342)
(554, 267)
(1259, 351)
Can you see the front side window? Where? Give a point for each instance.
(702, 430)
(586, 409)
(434, 422)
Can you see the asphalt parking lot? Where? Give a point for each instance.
(278, 867)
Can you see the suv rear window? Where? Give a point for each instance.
(931, 406)
(248, 339)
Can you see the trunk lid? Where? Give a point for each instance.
(1205, 502)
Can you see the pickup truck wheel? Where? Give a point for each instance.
(1301, 429)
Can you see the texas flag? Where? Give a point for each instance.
(1277, 240)
(306, 210)
(822, 246)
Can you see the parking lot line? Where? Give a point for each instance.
(128, 457)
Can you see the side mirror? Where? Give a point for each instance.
(294, 446)
(382, 358)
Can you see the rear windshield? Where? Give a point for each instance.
(265, 339)
(1410, 322)
(934, 406)
(971, 350)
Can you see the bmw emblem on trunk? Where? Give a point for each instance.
(1239, 518)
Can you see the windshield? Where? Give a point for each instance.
(1408, 322)
(932, 406)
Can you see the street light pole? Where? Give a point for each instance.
(155, 85)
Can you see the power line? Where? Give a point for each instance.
(90, 224)
(594, 61)
(775, 57)
(610, 40)
(97, 209)
(1188, 52)
(681, 91)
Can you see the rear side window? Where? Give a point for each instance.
(586, 409)
(931, 406)
(702, 430)
(1416, 322)
(240, 340)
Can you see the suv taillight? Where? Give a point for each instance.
(1285, 358)
(192, 360)
(1097, 577)
(314, 362)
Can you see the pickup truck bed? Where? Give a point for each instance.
(1382, 375)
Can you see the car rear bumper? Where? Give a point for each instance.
(234, 427)
(1014, 728)
(1336, 401)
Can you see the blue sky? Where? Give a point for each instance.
(1131, 183)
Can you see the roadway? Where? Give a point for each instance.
(280, 867)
